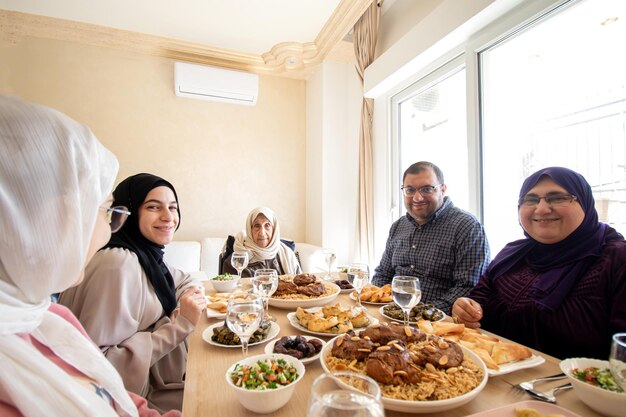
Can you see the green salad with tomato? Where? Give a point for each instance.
(599, 377)
(224, 277)
(264, 375)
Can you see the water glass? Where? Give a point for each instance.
(359, 277)
(345, 394)
(329, 258)
(406, 293)
(239, 261)
(243, 317)
(617, 359)
(264, 284)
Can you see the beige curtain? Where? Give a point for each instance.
(364, 40)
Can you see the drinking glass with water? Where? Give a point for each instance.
(345, 394)
(406, 293)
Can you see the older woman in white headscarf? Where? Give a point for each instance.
(55, 185)
(261, 240)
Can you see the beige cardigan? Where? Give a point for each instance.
(122, 314)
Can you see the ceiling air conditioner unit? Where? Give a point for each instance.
(218, 84)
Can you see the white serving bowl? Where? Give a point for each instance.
(605, 402)
(289, 304)
(225, 285)
(267, 401)
(422, 407)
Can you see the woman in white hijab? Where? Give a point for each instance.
(55, 185)
(261, 240)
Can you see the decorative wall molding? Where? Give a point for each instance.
(287, 59)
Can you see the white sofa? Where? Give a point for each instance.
(201, 258)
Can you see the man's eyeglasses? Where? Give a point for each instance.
(424, 191)
(116, 216)
(553, 200)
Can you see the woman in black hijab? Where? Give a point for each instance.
(129, 297)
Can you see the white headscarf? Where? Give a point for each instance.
(244, 242)
(54, 174)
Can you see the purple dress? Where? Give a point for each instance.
(582, 326)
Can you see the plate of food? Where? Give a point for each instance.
(416, 373)
(344, 286)
(305, 348)
(216, 304)
(329, 320)
(219, 334)
(527, 409)
(421, 311)
(303, 290)
(500, 356)
(371, 294)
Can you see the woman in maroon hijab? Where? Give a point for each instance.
(562, 290)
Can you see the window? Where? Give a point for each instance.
(554, 95)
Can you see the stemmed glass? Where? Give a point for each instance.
(406, 293)
(330, 258)
(265, 283)
(359, 277)
(345, 394)
(617, 360)
(243, 317)
(239, 261)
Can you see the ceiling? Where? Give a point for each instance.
(280, 37)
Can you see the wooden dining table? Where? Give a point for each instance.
(207, 393)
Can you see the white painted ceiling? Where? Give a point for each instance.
(251, 26)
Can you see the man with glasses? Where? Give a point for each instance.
(442, 245)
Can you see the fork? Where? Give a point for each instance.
(549, 395)
(529, 386)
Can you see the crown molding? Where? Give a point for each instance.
(287, 59)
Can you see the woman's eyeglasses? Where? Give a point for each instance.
(424, 191)
(116, 216)
(553, 200)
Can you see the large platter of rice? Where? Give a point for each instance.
(444, 393)
(294, 301)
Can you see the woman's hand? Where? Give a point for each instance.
(192, 304)
(468, 312)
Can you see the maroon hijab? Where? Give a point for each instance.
(560, 264)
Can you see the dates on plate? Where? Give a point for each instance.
(298, 346)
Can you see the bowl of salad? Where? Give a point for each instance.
(595, 386)
(225, 282)
(265, 383)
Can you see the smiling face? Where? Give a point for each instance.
(158, 215)
(548, 224)
(422, 208)
(262, 231)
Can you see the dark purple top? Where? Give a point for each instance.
(581, 326)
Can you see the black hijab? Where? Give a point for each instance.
(132, 193)
(561, 264)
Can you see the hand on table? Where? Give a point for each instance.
(468, 312)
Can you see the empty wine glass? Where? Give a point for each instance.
(345, 394)
(406, 293)
(359, 277)
(617, 360)
(243, 317)
(329, 258)
(265, 283)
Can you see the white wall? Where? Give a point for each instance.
(333, 119)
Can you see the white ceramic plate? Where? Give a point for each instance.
(269, 348)
(353, 297)
(214, 314)
(422, 407)
(507, 368)
(293, 320)
(382, 313)
(542, 407)
(309, 302)
(208, 332)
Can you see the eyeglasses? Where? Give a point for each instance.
(116, 217)
(553, 200)
(424, 191)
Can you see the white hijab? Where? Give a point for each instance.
(53, 176)
(244, 242)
